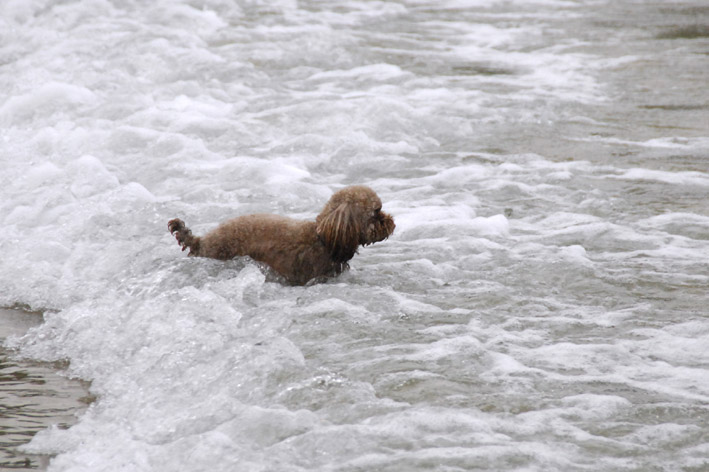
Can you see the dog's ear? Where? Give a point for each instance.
(340, 232)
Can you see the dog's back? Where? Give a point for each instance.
(291, 247)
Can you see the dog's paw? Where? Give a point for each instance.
(182, 233)
(175, 225)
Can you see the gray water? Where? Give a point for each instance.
(33, 397)
(542, 305)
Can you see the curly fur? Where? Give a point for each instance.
(298, 250)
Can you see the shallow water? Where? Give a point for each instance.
(33, 397)
(541, 306)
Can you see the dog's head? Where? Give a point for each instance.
(351, 218)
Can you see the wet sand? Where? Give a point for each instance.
(33, 396)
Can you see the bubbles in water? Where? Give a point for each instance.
(539, 305)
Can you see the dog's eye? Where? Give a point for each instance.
(377, 212)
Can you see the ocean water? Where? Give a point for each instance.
(541, 306)
(33, 396)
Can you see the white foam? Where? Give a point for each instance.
(662, 435)
(678, 142)
(380, 72)
(576, 253)
(530, 308)
(456, 4)
(449, 221)
(675, 178)
(89, 177)
(675, 218)
(47, 99)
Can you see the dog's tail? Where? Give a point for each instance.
(184, 236)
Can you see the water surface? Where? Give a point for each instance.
(542, 305)
(33, 396)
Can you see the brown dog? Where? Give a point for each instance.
(298, 250)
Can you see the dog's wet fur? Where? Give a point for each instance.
(300, 251)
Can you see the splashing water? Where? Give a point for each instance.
(541, 305)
